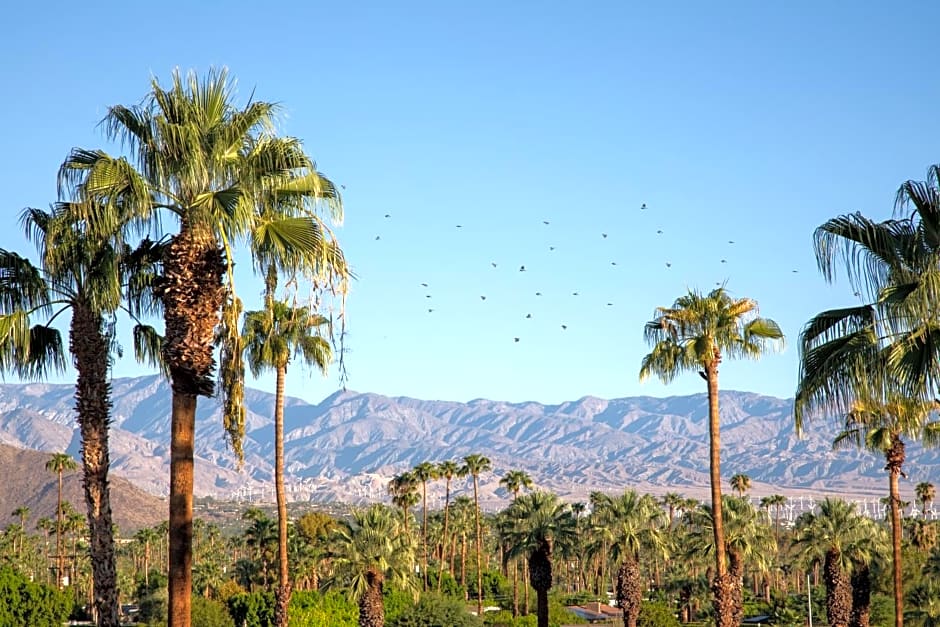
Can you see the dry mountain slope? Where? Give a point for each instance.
(27, 482)
(350, 443)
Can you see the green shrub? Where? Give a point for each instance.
(255, 609)
(657, 615)
(23, 602)
(209, 613)
(434, 611)
(332, 609)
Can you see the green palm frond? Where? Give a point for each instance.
(148, 347)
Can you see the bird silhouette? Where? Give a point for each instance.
(724, 261)
(574, 293)
(459, 226)
(515, 339)
(430, 310)
(643, 207)
(668, 265)
(482, 297)
(858, 293)
(528, 316)
(544, 221)
(613, 263)
(493, 263)
(377, 237)
(604, 235)
(427, 296)
(424, 285)
(610, 304)
(388, 215)
(659, 231)
(521, 268)
(538, 293)
(564, 326)
(551, 248)
(731, 241)
(796, 271)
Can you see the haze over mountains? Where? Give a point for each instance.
(350, 444)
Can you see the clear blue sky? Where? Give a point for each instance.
(752, 122)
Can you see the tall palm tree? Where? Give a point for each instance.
(367, 551)
(866, 547)
(424, 472)
(448, 470)
(86, 277)
(543, 524)
(696, 333)
(261, 536)
(403, 489)
(21, 512)
(59, 463)
(740, 483)
(631, 523)
(673, 502)
(881, 426)
(211, 165)
(824, 536)
(476, 464)
(926, 493)
(883, 351)
(515, 480)
(272, 337)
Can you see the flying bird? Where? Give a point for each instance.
(659, 231)
(388, 215)
(643, 207)
(544, 221)
(538, 293)
(482, 297)
(551, 248)
(724, 261)
(731, 241)
(377, 237)
(459, 226)
(427, 296)
(521, 268)
(430, 310)
(564, 326)
(424, 285)
(613, 263)
(493, 263)
(604, 235)
(796, 271)
(574, 293)
(610, 304)
(668, 265)
(528, 316)
(515, 339)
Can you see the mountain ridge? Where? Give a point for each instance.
(349, 444)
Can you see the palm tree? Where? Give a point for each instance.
(146, 537)
(542, 524)
(212, 166)
(695, 334)
(631, 523)
(881, 426)
(740, 483)
(21, 512)
(673, 502)
(776, 501)
(367, 551)
(474, 465)
(866, 547)
(261, 535)
(448, 470)
(424, 472)
(87, 277)
(59, 463)
(404, 491)
(882, 352)
(825, 537)
(515, 480)
(271, 338)
(925, 492)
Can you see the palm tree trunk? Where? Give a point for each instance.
(283, 585)
(59, 566)
(838, 592)
(525, 595)
(183, 426)
(444, 543)
(540, 577)
(424, 533)
(371, 604)
(861, 596)
(895, 458)
(192, 294)
(515, 588)
(93, 408)
(476, 513)
(629, 593)
(722, 586)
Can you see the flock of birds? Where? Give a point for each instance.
(551, 248)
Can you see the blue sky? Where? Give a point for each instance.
(737, 121)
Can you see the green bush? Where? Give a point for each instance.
(209, 613)
(656, 615)
(23, 602)
(254, 609)
(332, 609)
(434, 611)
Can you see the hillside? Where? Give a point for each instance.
(27, 482)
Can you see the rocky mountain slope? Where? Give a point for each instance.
(348, 445)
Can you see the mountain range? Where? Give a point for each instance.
(348, 446)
